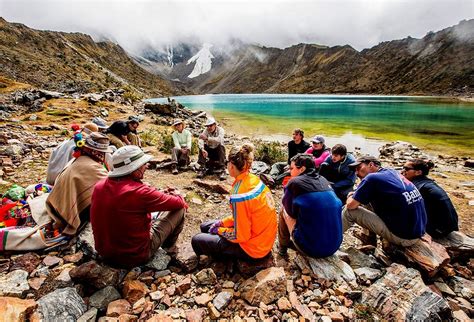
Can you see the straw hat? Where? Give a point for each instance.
(128, 159)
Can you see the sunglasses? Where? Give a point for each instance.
(408, 168)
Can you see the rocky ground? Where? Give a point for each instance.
(69, 282)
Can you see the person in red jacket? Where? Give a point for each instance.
(249, 233)
(124, 233)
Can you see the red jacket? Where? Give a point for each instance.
(121, 220)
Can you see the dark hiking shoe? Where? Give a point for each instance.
(222, 176)
(283, 251)
(201, 174)
(174, 169)
(267, 180)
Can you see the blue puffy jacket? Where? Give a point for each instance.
(310, 199)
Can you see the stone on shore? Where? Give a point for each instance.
(401, 295)
(27, 262)
(89, 316)
(250, 268)
(160, 260)
(95, 275)
(61, 305)
(85, 242)
(206, 277)
(119, 307)
(358, 259)
(427, 254)
(458, 244)
(14, 284)
(302, 309)
(367, 273)
(134, 290)
(462, 287)
(14, 309)
(331, 268)
(266, 286)
(103, 297)
(222, 300)
(186, 258)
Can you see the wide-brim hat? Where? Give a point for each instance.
(98, 142)
(210, 121)
(128, 159)
(177, 121)
(365, 159)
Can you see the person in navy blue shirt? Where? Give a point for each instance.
(337, 171)
(442, 216)
(398, 215)
(310, 220)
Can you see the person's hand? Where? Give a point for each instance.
(204, 153)
(215, 227)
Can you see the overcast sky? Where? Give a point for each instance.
(132, 23)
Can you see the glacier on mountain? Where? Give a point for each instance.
(202, 60)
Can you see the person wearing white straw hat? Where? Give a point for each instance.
(124, 233)
(182, 140)
(211, 150)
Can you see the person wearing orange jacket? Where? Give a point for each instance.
(249, 233)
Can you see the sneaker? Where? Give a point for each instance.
(223, 176)
(267, 180)
(174, 169)
(201, 174)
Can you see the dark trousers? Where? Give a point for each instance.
(166, 229)
(215, 245)
(179, 157)
(215, 158)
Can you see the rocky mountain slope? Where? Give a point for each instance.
(440, 63)
(71, 62)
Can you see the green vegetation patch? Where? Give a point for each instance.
(270, 152)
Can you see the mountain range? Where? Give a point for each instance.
(440, 63)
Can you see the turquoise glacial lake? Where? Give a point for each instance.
(364, 122)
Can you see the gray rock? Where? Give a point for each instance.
(358, 259)
(222, 300)
(159, 261)
(367, 273)
(462, 287)
(401, 294)
(89, 316)
(14, 284)
(103, 297)
(206, 277)
(259, 167)
(61, 305)
(330, 268)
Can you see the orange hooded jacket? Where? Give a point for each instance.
(253, 223)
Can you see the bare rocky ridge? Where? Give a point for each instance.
(71, 283)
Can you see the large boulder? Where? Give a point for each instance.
(160, 109)
(95, 275)
(266, 286)
(331, 268)
(402, 295)
(61, 305)
(186, 257)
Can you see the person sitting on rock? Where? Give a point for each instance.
(132, 137)
(69, 201)
(182, 139)
(398, 215)
(249, 233)
(117, 134)
(310, 219)
(280, 170)
(62, 154)
(121, 214)
(211, 150)
(442, 216)
(337, 171)
(318, 150)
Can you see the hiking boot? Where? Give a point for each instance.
(267, 180)
(201, 174)
(223, 176)
(174, 169)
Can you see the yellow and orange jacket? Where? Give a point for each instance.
(253, 223)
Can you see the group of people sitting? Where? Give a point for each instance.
(131, 220)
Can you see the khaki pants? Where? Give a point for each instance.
(166, 229)
(285, 237)
(180, 158)
(369, 220)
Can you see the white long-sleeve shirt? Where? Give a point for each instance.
(213, 139)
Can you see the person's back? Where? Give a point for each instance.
(396, 200)
(318, 229)
(442, 216)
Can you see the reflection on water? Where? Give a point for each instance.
(421, 120)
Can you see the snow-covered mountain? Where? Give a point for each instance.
(202, 61)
